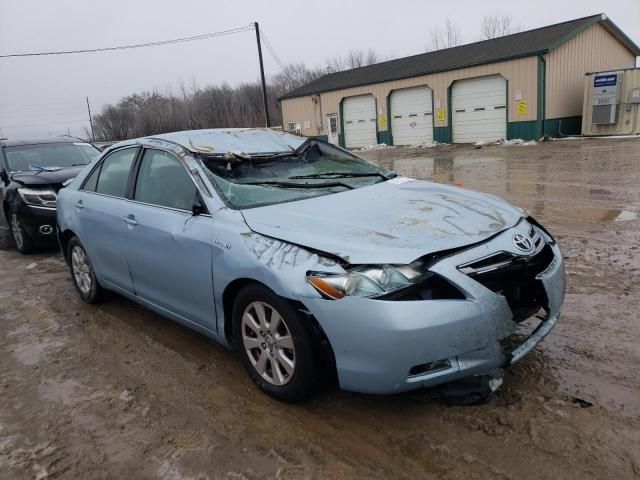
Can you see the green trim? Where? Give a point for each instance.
(389, 129)
(525, 130)
(542, 96)
(562, 127)
(341, 134)
(384, 136)
(611, 27)
(442, 134)
(449, 113)
(595, 19)
(622, 37)
(506, 109)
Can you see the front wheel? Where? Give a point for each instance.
(21, 239)
(273, 344)
(82, 273)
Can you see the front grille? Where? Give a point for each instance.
(516, 281)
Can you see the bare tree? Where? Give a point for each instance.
(497, 25)
(445, 36)
(353, 59)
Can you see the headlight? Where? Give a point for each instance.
(366, 281)
(42, 198)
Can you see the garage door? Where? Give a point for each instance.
(411, 116)
(479, 108)
(359, 121)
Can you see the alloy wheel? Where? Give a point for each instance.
(268, 343)
(81, 269)
(16, 230)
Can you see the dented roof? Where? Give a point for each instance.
(222, 140)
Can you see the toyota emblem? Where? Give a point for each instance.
(522, 242)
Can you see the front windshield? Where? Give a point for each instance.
(49, 155)
(318, 169)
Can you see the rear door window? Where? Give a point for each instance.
(163, 181)
(114, 172)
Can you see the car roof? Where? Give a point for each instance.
(14, 142)
(222, 140)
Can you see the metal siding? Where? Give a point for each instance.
(520, 73)
(595, 49)
(411, 116)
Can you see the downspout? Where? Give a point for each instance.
(542, 93)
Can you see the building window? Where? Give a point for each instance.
(294, 127)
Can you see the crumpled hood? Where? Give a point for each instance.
(57, 177)
(396, 221)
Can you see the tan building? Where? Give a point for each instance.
(524, 85)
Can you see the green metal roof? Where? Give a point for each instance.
(509, 47)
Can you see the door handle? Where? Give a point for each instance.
(130, 220)
(79, 205)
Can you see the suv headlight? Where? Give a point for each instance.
(366, 281)
(41, 198)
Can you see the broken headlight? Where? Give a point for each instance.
(366, 281)
(41, 198)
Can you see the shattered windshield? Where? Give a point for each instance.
(312, 170)
(45, 156)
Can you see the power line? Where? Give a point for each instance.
(274, 54)
(138, 45)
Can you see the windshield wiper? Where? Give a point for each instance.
(298, 185)
(341, 175)
(40, 168)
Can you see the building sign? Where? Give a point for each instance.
(382, 120)
(307, 124)
(605, 80)
(440, 114)
(522, 107)
(518, 95)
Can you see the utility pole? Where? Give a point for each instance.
(93, 137)
(264, 85)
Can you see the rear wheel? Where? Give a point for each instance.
(22, 240)
(82, 273)
(6, 238)
(273, 344)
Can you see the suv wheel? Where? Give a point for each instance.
(22, 240)
(273, 344)
(82, 274)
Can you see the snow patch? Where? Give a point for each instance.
(502, 141)
(379, 146)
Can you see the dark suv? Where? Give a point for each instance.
(31, 173)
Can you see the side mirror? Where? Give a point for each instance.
(4, 177)
(198, 209)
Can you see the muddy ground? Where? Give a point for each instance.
(115, 391)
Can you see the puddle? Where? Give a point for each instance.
(587, 214)
(31, 353)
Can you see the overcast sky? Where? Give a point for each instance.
(46, 95)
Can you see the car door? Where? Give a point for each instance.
(168, 247)
(99, 217)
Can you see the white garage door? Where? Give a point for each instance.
(359, 121)
(411, 116)
(479, 107)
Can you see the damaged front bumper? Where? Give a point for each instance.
(383, 346)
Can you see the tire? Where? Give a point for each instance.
(6, 238)
(82, 273)
(273, 350)
(21, 239)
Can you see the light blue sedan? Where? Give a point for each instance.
(309, 260)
